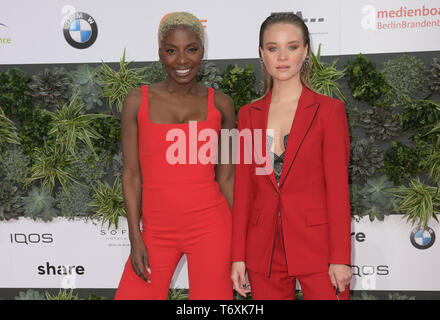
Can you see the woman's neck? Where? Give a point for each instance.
(187, 88)
(286, 91)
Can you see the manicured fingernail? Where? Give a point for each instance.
(149, 270)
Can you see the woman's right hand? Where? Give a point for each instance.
(238, 278)
(139, 259)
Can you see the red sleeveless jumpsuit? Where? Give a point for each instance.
(183, 212)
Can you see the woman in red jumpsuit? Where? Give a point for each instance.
(185, 200)
(292, 222)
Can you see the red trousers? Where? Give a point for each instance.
(205, 238)
(281, 286)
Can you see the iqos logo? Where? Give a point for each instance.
(31, 238)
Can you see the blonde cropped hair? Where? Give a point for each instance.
(179, 19)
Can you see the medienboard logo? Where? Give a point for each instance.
(402, 18)
(80, 30)
(422, 238)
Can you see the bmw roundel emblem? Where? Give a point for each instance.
(422, 238)
(80, 30)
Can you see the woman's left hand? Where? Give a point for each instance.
(340, 275)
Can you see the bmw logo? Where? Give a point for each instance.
(422, 238)
(80, 30)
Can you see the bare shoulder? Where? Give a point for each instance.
(132, 102)
(225, 105)
(223, 101)
(133, 98)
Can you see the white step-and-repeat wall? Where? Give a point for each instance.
(45, 31)
(389, 255)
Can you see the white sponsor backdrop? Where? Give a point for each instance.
(32, 31)
(34, 255)
(387, 260)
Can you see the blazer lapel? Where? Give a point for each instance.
(304, 116)
(259, 113)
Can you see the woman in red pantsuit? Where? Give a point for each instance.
(186, 204)
(293, 221)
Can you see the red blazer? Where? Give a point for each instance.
(312, 196)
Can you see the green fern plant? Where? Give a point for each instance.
(403, 161)
(15, 95)
(8, 132)
(117, 84)
(365, 81)
(70, 125)
(39, 204)
(436, 126)
(239, 84)
(324, 76)
(53, 163)
(422, 116)
(110, 129)
(34, 131)
(51, 87)
(109, 203)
